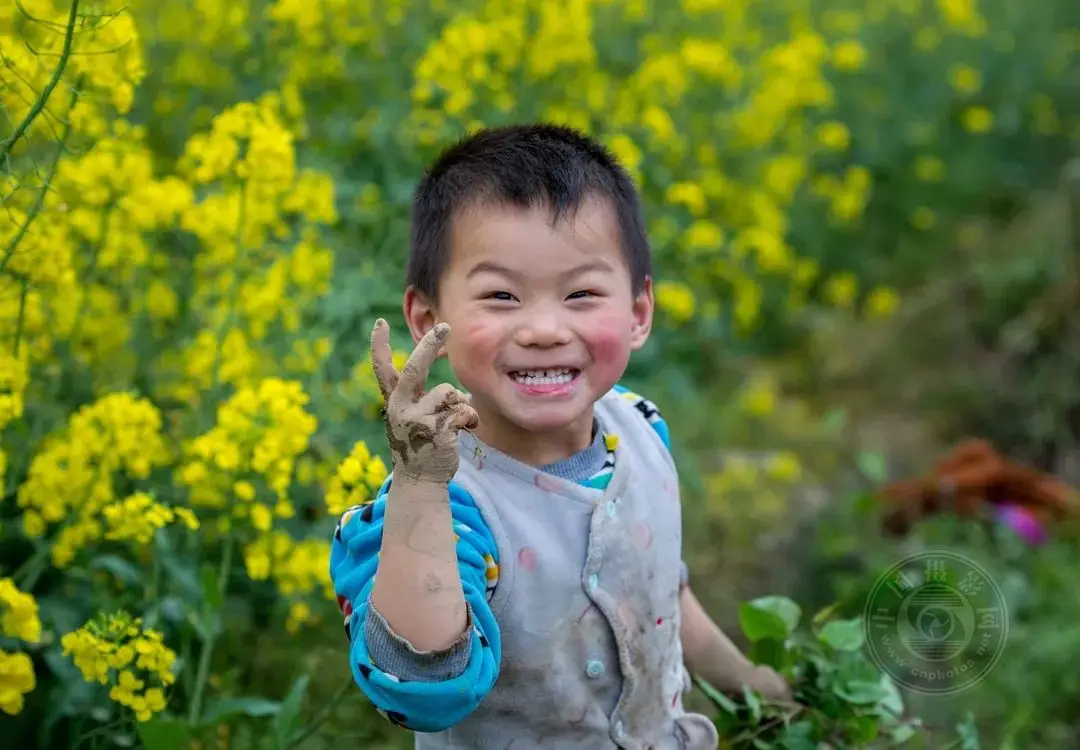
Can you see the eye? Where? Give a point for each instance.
(582, 294)
(500, 296)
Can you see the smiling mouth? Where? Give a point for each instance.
(560, 376)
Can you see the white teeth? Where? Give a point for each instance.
(543, 377)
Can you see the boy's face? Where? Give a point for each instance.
(543, 321)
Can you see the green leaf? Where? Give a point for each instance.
(722, 701)
(758, 625)
(163, 733)
(798, 736)
(288, 719)
(119, 567)
(902, 734)
(860, 692)
(785, 608)
(769, 652)
(211, 589)
(769, 617)
(893, 702)
(178, 570)
(253, 707)
(969, 734)
(843, 635)
(835, 421)
(861, 730)
(824, 614)
(753, 703)
(872, 466)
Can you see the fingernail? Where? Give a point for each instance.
(379, 322)
(441, 330)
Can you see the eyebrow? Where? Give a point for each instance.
(500, 270)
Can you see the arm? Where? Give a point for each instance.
(417, 587)
(708, 652)
(423, 689)
(396, 571)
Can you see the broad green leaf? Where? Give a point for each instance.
(769, 617)
(861, 730)
(253, 707)
(893, 702)
(162, 733)
(843, 635)
(872, 465)
(721, 700)
(770, 652)
(784, 608)
(860, 692)
(211, 586)
(824, 614)
(798, 736)
(969, 734)
(758, 624)
(902, 734)
(287, 720)
(753, 702)
(119, 567)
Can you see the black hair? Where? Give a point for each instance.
(524, 166)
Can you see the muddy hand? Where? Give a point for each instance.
(421, 426)
(771, 685)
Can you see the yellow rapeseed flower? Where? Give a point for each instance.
(929, 168)
(834, 135)
(848, 55)
(978, 120)
(841, 290)
(923, 218)
(357, 479)
(18, 613)
(882, 302)
(760, 397)
(964, 79)
(784, 467)
(16, 680)
(675, 299)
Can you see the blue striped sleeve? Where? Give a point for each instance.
(648, 412)
(460, 678)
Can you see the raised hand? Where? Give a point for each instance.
(421, 426)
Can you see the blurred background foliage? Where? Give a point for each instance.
(865, 227)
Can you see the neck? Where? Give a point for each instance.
(536, 448)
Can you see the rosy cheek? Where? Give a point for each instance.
(608, 339)
(474, 346)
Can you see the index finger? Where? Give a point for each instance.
(382, 359)
(415, 373)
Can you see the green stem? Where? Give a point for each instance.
(205, 656)
(31, 570)
(24, 291)
(39, 104)
(90, 276)
(230, 301)
(39, 202)
(322, 716)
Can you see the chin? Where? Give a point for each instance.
(547, 420)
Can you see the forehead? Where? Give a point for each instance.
(530, 242)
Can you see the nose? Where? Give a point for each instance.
(542, 329)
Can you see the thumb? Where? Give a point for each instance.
(464, 417)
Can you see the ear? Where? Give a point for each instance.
(643, 313)
(419, 312)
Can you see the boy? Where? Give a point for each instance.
(517, 582)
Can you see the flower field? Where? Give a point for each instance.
(205, 207)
